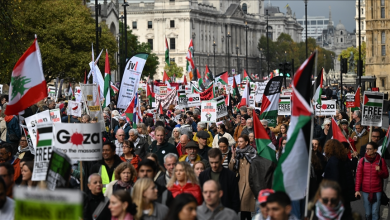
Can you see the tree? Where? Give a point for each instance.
(134, 47)
(65, 31)
(173, 70)
(355, 50)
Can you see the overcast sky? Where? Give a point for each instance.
(343, 10)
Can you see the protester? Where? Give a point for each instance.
(145, 196)
(94, 198)
(192, 156)
(129, 155)
(160, 146)
(7, 173)
(281, 134)
(85, 119)
(279, 122)
(279, 207)
(325, 134)
(106, 166)
(199, 167)
(122, 206)
(360, 136)
(125, 176)
(120, 137)
(223, 145)
(143, 132)
(140, 144)
(356, 117)
(24, 151)
(222, 133)
(175, 139)
(183, 208)
(227, 179)
(185, 181)
(262, 201)
(13, 130)
(375, 137)
(7, 204)
(212, 208)
(6, 156)
(281, 147)
(240, 127)
(160, 169)
(269, 132)
(202, 127)
(170, 161)
(249, 127)
(347, 131)
(167, 130)
(370, 175)
(184, 139)
(202, 143)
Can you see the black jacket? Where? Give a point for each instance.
(204, 153)
(91, 202)
(95, 168)
(229, 186)
(141, 148)
(261, 173)
(163, 192)
(162, 150)
(161, 180)
(149, 122)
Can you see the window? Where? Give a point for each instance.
(245, 8)
(313, 22)
(362, 11)
(383, 37)
(362, 38)
(320, 22)
(383, 82)
(171, 0)
(150, 41)
(300, 22)
(172, 60)
(270, 35)
(150, 24)
(382, 2)
(341, 40)
(172, 43)
(172, 23)
(341, 32)
(134, 25)
(383, 12)
(362, 25)
(326, 22)
(383, 50)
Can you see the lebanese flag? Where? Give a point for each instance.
(270, 103)
(264, 145)
(357, 100)
(28, 85)
(165, 77)
(245, 97)
(222, 78)
(107, 80)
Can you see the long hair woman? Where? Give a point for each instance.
(26, 172)
(184, 180)
(145, 196)
(125, 175)
(122, 206)
(175, 138)
(129, 155)
(281, 134)
(183, 208)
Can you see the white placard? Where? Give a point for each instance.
(193, 100)
(33, 121)
(326, 108)
(284, 105)
(209, 111)
(372, 109)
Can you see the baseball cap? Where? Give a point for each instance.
(263, 194)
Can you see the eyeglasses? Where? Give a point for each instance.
(369, 149)
(333, 201)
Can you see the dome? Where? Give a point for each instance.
(340, 26)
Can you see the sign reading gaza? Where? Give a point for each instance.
(372, 109)
(326, 108)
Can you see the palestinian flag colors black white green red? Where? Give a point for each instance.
(291, 172)
(166, 52)
(246, 77)
(208, 74)
(270, 103)
(372, 109)
(265, 148)
(222, 78)
(150, 95)
(107, 80)
(357, 100)
(28, 85)
(385, 144)
(373, 99)
(319, 84)
(245, 97)
(236, 92)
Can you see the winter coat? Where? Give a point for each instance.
(12, 128)
(91, 202)
(159, 212)
(209, 140)
(276, 129)
(247, 131)
(226, 135)
(149, 122)
(136, 159)
(229, 185)
(164, 196)
(126, 127)
(363, 140)
(238, 131)
(271, 136)
(367, 178)
(162, 150)
(190, 188)
(142, 147)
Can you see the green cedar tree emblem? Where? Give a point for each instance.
(18, 83)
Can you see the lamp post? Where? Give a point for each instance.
(121, 46)
(228, 53)
(214, 45)
(266, 13)
(246, 46)
(306, 24)
(238, 71)
(360, 62)
(96, 24)
(125, 4)
(261, 60)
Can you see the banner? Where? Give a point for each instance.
(130, 80)
(350, 100)
(182, 99)
(372, 109)
(284, 105)
(79, 141)
(326, 108)
(209, 111)
(93, 103)
(41, 204)
(259, 91)
(31, 123)
(221, 107)
(207, 94)
(166, 100)
(193, 100)
(59, 170)
(74, 108)
(43, 151)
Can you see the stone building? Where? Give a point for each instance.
(362, 12)
(378, 41)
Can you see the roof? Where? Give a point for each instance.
(272, 9)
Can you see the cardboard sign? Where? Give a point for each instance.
(74, 108)
(33, 121)
(43, 151)
(193, 100)
(327, 108)
(284, 105)
(350, 100)
(221, 107)
(59, 170)
(372, 109)
(41, 204)
(55, 115)
(166, 100)
(79, 141)
(209, 111)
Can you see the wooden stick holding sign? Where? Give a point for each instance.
(81, 176)
(369, 136)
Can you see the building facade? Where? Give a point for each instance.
(315, 25)
(378, 41)
(362, 11)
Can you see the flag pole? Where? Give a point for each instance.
(369, 137)
(81, 175)
(311, 138)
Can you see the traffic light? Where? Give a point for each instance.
(343, 65)
(287, 69)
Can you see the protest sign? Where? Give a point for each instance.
(209, 111)
(32, 121)
(41, 204)
(1, 89)
(188, 89)
(372, 109)
(156, 90)
(193, 100)
(74, 108)
(326, 108)
(207, 94)
(93, 103)
(58, 172)
(182, 99)
(130, 79)
(166, 100)
(238, 79)
(79, 141)
(260, 87)
(287, 92)
(230, 80)
(284, 105)
(221, 106)
(252, 100)
(350, 100)
(163, 91)
(55, 115)
(43, 150)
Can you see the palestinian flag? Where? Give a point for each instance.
(385, 144)
(245, 97)
(291, 174)
(150, 95)
(337, 133)
(195, 89)
(270, 103)
(160, 109)
(107, 80)
(185, 80)
(200, 79)
(70, 91)
(189, 58)
(208, 74)
(373, 100)
(28, 85)
(236, 92)
(357, 100)
(166, 52)
(246, 77)
(264, 145)
(114, 89)
(319, 84)
(133, 111)
(223, 78)
(165, 77)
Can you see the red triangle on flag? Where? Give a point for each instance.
(365, 99)
(336, 132)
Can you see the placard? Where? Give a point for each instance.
(55, 115)
(79, 141)
(43, 151)
(93, 103)
(327, 108)
(284, 105)
(209, 111)
(58, 172)
(33, 121)
(193, 100)
(163, 90)
(1, 89)
(221, 106)
(252, 100)
(372, 109)
(350, 100)
(182, 99)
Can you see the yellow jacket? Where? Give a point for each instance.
(209, 140)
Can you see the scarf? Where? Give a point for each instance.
(248, 153)
(361, 133)
(8, 118)
(325, 213)
(125, 185)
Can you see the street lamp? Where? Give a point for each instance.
(228, 53)
(125, 4)
(266, 13)
(306, 24)
(214, 45)
(238, 71)
(246, 48)
(324, 60)
(261, 60)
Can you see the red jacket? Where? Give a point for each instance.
(367, 178)
(190, 188)
(136, 159)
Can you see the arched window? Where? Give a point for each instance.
(341, 40)
(245, 8)
(341, 32)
